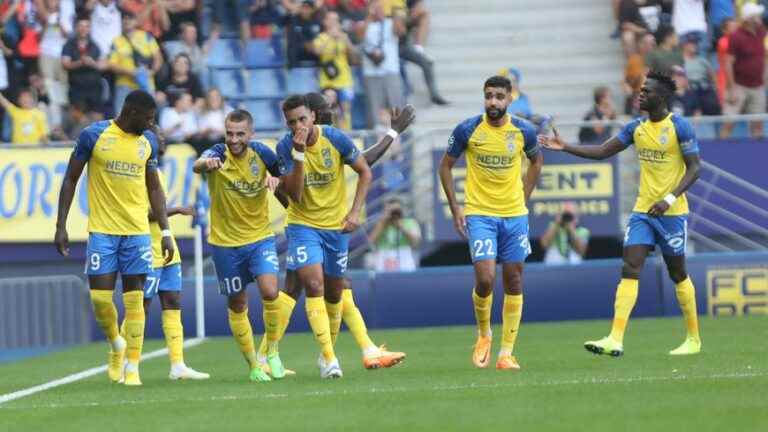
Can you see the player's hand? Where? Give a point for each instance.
(272, 183)
(351, 222)
(658, 209)
(61, 240)
(212, 164)
(402, 118)
(300, 139)
(167, 245)
(460, 223)
(552, 143)
(187, 211)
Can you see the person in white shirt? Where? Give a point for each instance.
(179, 123)
(60, 15)
(106, 25)
(381, 64)
(211, 121)
(689, 19)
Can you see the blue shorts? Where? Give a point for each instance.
(236, 267)
(307, 245)
(669, 232)
(166, 278)
(504, 239)
(127, 254)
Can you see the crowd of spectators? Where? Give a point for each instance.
(66, 63)
(715, 50)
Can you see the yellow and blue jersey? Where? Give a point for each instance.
(126, 50)
(117, 190)
(494, 184)
(158, 260)
(238, 190)
(660, 148)
(323, 203)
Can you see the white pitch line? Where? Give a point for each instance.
(84, 374)
(352, 392)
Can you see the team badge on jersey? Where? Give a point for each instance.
(142, 152)
(254, 166)
(327, 161)
(664, 136)
(510, 139)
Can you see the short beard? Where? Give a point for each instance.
(501, 114)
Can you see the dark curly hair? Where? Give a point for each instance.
(666, 81)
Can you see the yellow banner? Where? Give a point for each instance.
(737, 291)
(575, 181)
(30, 180)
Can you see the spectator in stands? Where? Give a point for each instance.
(235, 11)
(701, 78)
(396, 239)
(74, 121)
(181, 80)
(80, 57)
(211, 121)
(334, 49)
(264, 14)
(151, 15)
(135, 59)
(351, 12)
(302, 27)
(28, 123)
(728, 26)
(179, 13)
(635, 70)
(30, 16)
(411, 47)
(520, 105)
(683, 103)
(564, 240)
(603, 109)
(178, 122)
(744, 69)
(689, 21)
(40, 95)
(188, 44)
(667, 52)
(59, 18)
(719, 12)
(381, 64)
(106, 24)
(631, 24)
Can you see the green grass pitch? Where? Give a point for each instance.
(561, 386)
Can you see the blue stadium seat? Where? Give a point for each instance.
(265, 82)
(228, 81)
(225, 53)
(262, 53)
(302, 80)
(266, 114)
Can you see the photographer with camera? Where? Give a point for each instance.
(565, 241)
(396, 239)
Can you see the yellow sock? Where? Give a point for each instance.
(626, 296)
(240, 325)
(174, 335)
(686, 296)
(318, 320)
(105, 312)
(271, 323)
(354, 320)
(134, 325)
(483, 312)
(513, 311)
(334, 319)
(286, 303)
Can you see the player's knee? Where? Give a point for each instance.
(170, 302)
(484, 284)
(237, 304)
(314, 288)
(514, 284)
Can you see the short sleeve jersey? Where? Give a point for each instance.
(238, 190)
(494, 185)
(660, 149)
(324, 200)
(117, 188)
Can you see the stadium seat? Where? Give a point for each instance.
(266, 114)
(302, 80)
(265, 82)
(262, 53)
(228, 81)
(225, 53)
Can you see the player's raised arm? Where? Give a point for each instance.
(605, 150)
(206, 164)
(292, 153)
(352, 219)
(401, 119)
